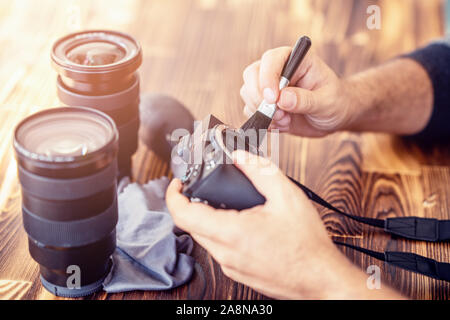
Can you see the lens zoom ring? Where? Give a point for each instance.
(72, 233)
(107, 102)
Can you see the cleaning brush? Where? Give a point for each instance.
(262, 118)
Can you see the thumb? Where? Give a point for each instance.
(299, 100)
(263, 173)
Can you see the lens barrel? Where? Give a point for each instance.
(67, 166)
(98, 69)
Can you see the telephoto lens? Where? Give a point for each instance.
(98, 69)
(67, 167)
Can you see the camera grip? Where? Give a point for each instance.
(228, 188)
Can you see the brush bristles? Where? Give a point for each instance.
(258, 121)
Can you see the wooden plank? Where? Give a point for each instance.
(337, 178)
(13, 290)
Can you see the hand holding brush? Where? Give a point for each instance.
(262, 118)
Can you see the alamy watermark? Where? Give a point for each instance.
(374, 20)
(74, 17)
(74, 280)
(374, 280)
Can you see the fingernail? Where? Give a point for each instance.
(288, 100)
(269, 95)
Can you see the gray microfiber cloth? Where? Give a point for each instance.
(150, 254)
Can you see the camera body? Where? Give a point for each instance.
(211, 177)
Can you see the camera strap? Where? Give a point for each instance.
(415, 228)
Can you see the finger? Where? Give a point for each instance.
(298, 100)
(304, 69)
(251, 83)
(278, 115)
(284, 121)
(248, 97)
(272, 63)
(219, 251)
(257, 283)
(200, 218)
(263, 173)
(311, 70)
(226, 255)
(302, 127)
(249, 111)
(284, 129)
(233, 265)
(280, 129)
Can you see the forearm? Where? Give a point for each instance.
(396, 97)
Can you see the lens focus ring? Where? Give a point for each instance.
(72, 233)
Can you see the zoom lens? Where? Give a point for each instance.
(98, 69)
(67, 166)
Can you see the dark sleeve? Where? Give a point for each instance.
(435, 58)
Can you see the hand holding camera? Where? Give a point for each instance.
(263, 246)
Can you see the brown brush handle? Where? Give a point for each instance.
(298, 53)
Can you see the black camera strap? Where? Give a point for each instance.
(414, 228)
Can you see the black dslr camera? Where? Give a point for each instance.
(211, 177)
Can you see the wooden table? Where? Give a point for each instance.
(196, 51)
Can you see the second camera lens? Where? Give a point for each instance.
(98, 69)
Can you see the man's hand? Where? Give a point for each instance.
(281, 248)
(396, 97)
(314, 104)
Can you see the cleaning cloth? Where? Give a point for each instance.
(150, 253)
